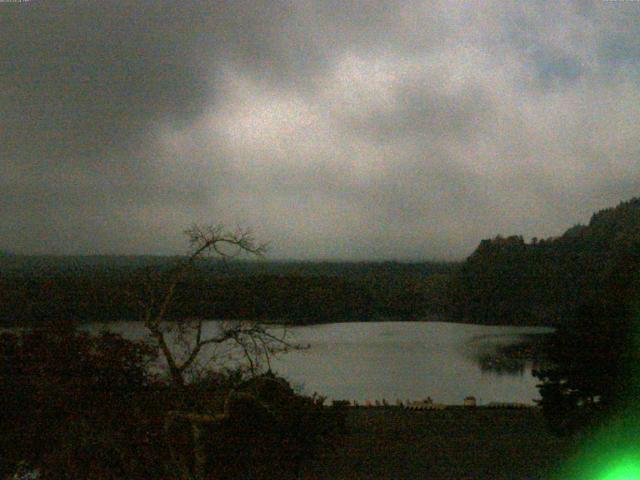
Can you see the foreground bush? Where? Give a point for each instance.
(80, 406)
(266, 430)
(76, 405)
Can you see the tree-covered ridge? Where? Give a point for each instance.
(100, 288)
(510, 281)
(47, 264)
(505, 281)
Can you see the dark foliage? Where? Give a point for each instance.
(76, 405)
(593, 358)
(588, 374)
(269, 431)
(544, 282)
(30, 291)
(81, 406)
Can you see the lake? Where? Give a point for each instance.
(397, 360)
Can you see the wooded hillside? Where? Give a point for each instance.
(510, 281)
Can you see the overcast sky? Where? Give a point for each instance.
(401, 130)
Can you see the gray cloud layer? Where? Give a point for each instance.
(398, 129)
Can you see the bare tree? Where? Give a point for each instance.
(183, 342)
(254, 340)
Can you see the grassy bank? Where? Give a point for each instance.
(448, 444)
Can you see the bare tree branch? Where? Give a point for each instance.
(161, 295)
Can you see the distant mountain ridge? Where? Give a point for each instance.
(60, 263)
(92, 288)
(505, 281)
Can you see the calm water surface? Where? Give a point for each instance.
(396, 360)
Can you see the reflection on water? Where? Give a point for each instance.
(507, 354)
(499, 366)
(402, 360)
(411, 360)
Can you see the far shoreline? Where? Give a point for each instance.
(427, 318)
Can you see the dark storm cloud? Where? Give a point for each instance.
(396, 129)
(84, 85)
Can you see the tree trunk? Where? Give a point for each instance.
(199, 451)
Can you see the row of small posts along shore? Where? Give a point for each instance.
(427, 404)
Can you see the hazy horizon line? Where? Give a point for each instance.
(6, 253)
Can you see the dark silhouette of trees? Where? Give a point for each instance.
(74, 405)
(90, 289)
(509, 281)
(592, 369)
(81, 406)
(181, 341)
(160, 293)
(587, 375)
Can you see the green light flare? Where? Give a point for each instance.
(606, 458)
(612, 451)
(624, 469)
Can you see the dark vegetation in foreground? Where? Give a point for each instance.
(462, 443)
(79, 406)
(591, 379)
